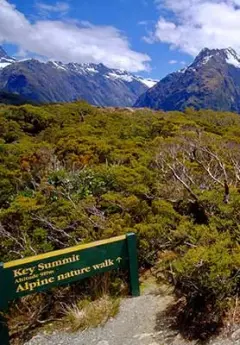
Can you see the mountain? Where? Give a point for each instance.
(211, 81)
(58, 82)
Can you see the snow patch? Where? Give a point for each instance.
(91, 70)
(232, 58)
(82, 68)
(183, 70)
(129, 78)
(59, 65)
(206, 59)
(125, 77)
(4, 64)
(148, 82)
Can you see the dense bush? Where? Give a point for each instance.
(72, 173)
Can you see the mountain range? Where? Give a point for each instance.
(211, 81)
(52, 81)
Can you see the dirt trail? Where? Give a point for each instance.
(139, 322)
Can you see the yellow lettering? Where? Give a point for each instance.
(86, 269)
(60, 277)
(73, 273)
(32, 286)
(51, 280)
(20, 288)
(41, 266)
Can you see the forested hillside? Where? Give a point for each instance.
(13, 99)
(72, 173)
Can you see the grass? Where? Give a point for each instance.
(86, 314)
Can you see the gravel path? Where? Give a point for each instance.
(135, 324)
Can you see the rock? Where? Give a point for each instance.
(236, 335)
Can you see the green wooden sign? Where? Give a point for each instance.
(38, 273)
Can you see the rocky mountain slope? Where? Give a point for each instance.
(58, 82)
(211, 81)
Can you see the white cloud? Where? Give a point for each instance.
(172, 62)
(196, 24)
(59, 7)
(69, 41)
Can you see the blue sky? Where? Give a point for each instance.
(147, 37)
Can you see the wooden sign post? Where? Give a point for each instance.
(38, 273)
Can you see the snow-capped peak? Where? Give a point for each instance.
(58, 65)
(86, 69)
(227, 55)
(204, 57)
(5, 60)
(120, 75)
(92, 69)
(232, 57)
(148, 82)
(80, 68)
(128, 77)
